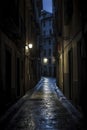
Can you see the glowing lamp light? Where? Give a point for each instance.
(26, 48)
(53, 60)
(30, 45)
(45, 60)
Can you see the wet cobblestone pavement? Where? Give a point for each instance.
(43, 111)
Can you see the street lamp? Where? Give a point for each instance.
(30, 45)
(45, 60)
(27, 47)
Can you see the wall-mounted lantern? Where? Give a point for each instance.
(45, 60)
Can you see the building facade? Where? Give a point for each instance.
(38, 8)
(48, 44)
(17, 67)
(71, 53)
(12, 42)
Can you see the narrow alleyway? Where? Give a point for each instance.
(45, 109)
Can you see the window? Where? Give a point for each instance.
(49, 52)
(44, 32)
(49, 60)
(43, 23)
(50, 31)
(45, 70)
(50, 22)
(44, 52)
(49, 41)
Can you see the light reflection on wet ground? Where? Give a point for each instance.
(43, 111)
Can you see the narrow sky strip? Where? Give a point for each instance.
(47, 5)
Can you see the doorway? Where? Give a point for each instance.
(18, 77)
(8, 74)
(70, 59)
